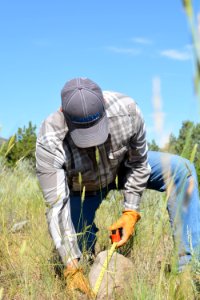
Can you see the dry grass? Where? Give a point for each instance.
(27, 267)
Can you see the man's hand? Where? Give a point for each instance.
(76, 280)
(126, 222)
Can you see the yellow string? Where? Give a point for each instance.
(103, 269)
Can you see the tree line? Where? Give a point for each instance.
(187, 144)
(20, 146)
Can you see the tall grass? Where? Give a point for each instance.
(151, 250)
(195, 34)
(26, 271)
(27, 264)
(27, 267)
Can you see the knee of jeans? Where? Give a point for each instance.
(186, 176)
(191, 184)
(182, 168)
(190, 173)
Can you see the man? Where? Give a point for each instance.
(91, 120)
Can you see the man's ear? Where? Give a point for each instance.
(61, 109)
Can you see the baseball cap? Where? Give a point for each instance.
(84, 111)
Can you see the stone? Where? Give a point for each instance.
(19, 226)
(117, 277)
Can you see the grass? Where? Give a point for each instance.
(27, 268)
(27, 264)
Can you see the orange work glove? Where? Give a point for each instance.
(126, 222)
(76, 280)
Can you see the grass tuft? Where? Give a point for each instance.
(30, 269)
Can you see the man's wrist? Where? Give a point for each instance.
(73, 264)
(131, 201)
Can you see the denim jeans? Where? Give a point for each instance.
(83, 214)
(177, 176)
(170, 173)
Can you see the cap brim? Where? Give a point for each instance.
(92, 136)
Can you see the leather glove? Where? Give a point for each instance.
(127, 222)
(76, 280)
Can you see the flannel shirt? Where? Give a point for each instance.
(59, 163)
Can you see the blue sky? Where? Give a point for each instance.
(128, 46)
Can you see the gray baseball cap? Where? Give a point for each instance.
(84, 111)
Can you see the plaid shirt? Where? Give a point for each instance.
(59, 162)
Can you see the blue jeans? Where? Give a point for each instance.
(176, 176)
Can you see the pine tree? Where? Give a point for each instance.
(24, 147)
(153, 146)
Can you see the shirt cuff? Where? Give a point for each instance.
(131, 201)
(68, 255)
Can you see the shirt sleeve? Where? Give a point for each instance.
(138, 169)
(52, 179)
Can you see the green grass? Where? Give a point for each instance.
(27, 267)
(26, 271)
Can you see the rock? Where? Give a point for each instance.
(80, 296)
(18, 226)
(116, 278)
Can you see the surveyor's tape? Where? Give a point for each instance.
(104, 268)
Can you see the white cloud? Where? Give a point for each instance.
(141, 40)
(130, 51)
(176, 55)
